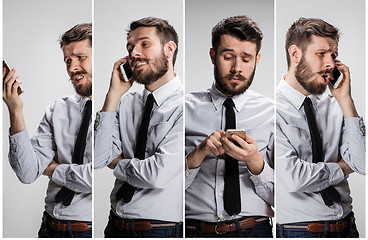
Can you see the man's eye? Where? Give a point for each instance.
(228, 57)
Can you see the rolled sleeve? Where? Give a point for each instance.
(107, 140)
(77, 178)
(352, 149)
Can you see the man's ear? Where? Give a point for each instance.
(212, 55)
(170, 49)
(295, 54)
(258, 58)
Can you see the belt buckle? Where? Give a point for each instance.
(216, 226)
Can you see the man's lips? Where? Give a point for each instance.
(78, 79)
(326, 78)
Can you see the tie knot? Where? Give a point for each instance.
(229, 103)
(307, 101)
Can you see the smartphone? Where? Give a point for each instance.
(7, 70)
(127, 71)
(336, 77)
(239, 132)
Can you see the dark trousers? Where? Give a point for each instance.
(111, 231)
(261, 230)
(47, 232)
(349, 232)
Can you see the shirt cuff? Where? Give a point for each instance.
(59, 174)
(105, 120)
(17, 140)
(265, 176)
(121, 173)
(336, 173)
(354, 125)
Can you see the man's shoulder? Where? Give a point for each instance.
(253, 95)
(197, 96)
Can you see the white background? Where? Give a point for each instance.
(31, 30)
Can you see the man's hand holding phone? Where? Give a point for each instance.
(244, 150)
(343, 91)
(118, 87)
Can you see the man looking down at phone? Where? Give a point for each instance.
(229, 180)
(320, 137)
(140, 136)
(61, 148)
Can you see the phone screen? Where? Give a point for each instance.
(335, 75)
(128, 71)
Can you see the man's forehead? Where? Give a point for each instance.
(77, 47)
(327, 43)
(142, 33)
(228, 42)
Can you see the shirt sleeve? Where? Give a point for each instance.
(301, 175)
(156, 170)
(352, 148)
(107, 139)
(264, 182)
(29, 158)
(77, 178)
(190, 174)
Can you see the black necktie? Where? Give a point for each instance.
(126, 191)
(66, 195)
(330, 194)
(232, 203)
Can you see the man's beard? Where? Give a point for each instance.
(158, 68)
(230, 89)
(308, 79)
(83, 89)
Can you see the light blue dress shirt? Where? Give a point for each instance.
(298, 179)
(55, 139)
(158, 177)
(204, 114)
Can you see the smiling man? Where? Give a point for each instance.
(61, 148)
(140, 136)
(229, 180)
(320, 137)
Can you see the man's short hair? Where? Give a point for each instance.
(165, 31)
(77, 33)
(303, 29)
(240, 27)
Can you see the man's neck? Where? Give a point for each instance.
(169, 75)
(293, 82)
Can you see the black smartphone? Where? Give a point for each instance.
(127, 71)
(7, 70)
(336, 77)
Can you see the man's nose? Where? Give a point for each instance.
(135, 53)
(236, 68)
(74, 66)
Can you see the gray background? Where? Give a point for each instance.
(31, 30)
(349, 18)
(111, 19)
(201, 16)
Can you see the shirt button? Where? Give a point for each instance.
(221, 172)
(121, 213)
(338, 215)
(221, 215)
(187, 172)
(12, 140)
(57, 214)
(220, 194)
(17, 162)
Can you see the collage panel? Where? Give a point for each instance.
(139, 189)
(46, 114)
(229, 118)
(315, 197)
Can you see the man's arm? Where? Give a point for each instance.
(77, 178)
(159, 169)
(300, 175)
(352, 141)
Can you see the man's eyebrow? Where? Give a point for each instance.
(232, 50)
(74, 54)
(139, 39)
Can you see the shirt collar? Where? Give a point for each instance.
(218, 98)
(163, 92)
(82, 100)
(295, 97)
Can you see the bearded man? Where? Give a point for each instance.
(229, 180)
(140, 136)
(320, 137)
